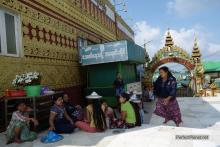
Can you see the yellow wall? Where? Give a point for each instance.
(57, 63)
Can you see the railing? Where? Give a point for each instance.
(184, 92)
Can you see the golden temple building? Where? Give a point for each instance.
(45, 36)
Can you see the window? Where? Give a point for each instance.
(10, 33)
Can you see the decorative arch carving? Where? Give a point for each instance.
(170, 54)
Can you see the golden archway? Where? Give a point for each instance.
(172, 53)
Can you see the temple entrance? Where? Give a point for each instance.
(182, 75)
(171, 53)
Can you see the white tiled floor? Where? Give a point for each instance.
(201, 116)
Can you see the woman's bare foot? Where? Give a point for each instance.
(165, 121)
(177, 125)
(17, 131)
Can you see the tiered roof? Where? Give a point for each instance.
(169, 39)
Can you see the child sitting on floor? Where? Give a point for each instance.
(19, 129)
(59, 120)
(109, 113)
(75, 112)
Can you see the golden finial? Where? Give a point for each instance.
(195, 41)
(168, 31)
(195, 36)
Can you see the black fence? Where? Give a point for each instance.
(185, 92)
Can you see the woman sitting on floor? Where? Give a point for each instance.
(19, 129)
(95, 117)
(59, 120)
(128, 116)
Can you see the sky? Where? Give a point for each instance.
(186, 19)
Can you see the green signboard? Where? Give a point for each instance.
(104, 53)
(112, 52)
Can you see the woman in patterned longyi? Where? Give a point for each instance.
(165, 90)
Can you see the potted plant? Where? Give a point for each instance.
(30, 81)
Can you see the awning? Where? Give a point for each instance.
(112, 52)
(211, 66)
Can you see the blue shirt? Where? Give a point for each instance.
(163, 89)
(59, 111)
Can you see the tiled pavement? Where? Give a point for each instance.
(201, 116)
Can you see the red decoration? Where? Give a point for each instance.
(184, 62)
(15, 93)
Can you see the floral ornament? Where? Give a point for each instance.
(29, 78)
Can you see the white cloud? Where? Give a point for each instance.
(183, 38)
(146, 33)
(188, 7)
(213, 52)
(213, 48)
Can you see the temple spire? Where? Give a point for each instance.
(169, 39)
(196, 55)
(195, 43)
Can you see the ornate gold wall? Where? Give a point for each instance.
(50, 29)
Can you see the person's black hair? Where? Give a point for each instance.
(19, 102)
(156, 84)
(125, 95)
(137, 113)
(55, 97)
(166, 69)
(98, 115)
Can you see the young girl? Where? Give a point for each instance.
(19, 129)
(95, 117)
(75, 112)
(59, 120)
(109, 114)
(128, 116)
